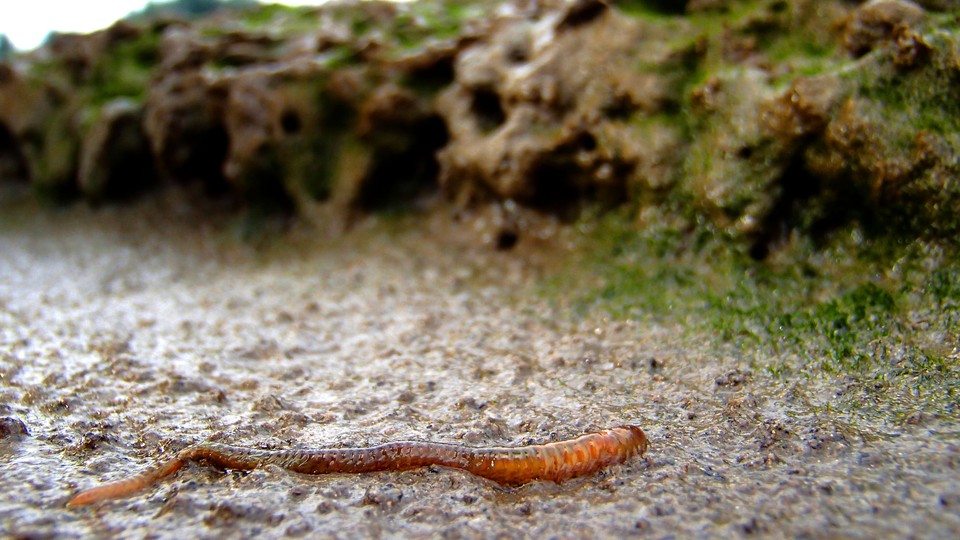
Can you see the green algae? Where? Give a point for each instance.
(922, 96)
(878, 317)
(267, 14)
(125, 68)
(272, 19)
(69, 96)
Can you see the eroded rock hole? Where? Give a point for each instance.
(518, 53)
(431, 78)
(487, 109)
(779, 6)
(620, 108)
(562, 185)
(582, 12)
(507, 239)
(290, 122)
(13, 164)
(263, 185)
(586, 142)
(131, 169)
(792, 209)
(199, 156)
(400, 178)
(556, 187)
(668, 7)
(6, 75)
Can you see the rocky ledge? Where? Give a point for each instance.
(760, 117)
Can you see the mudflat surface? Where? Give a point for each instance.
(128, 334)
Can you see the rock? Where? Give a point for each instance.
(13, 162)
(115, 157)
(12, 428)
(50, 105)
(405, 133)
(732, 164)
(877, 22)
(749, 117)
(286, 137)
(41, 125)
(292, 129)
(529, 112)
(805, 108)
(184, 122)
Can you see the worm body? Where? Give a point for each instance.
(556, 461)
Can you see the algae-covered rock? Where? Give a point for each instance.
(877, 22)
(184, 121)
(289, 107)
(22, 111)
(759, 117)
(61, 107)
(895, 142)
(818, 140)
(871, 140)
(286, 136)
(548, 108)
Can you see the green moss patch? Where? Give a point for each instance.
(880, 320)
(124, 71)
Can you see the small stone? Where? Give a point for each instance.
(12, 428)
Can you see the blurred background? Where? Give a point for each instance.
(29, 24)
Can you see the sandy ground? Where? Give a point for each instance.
(127, 334)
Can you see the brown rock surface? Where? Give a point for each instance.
(734, 112)
(878, 21)
(115, 157)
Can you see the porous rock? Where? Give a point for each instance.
(878, 21)
(757, 117)
(536, 116)
(115, 157)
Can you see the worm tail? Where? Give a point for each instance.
(122, 488)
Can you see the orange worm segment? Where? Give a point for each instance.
(556, 461)
(126, 487)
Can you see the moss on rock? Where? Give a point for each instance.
(765, 118)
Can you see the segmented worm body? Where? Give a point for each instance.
(556, 461)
